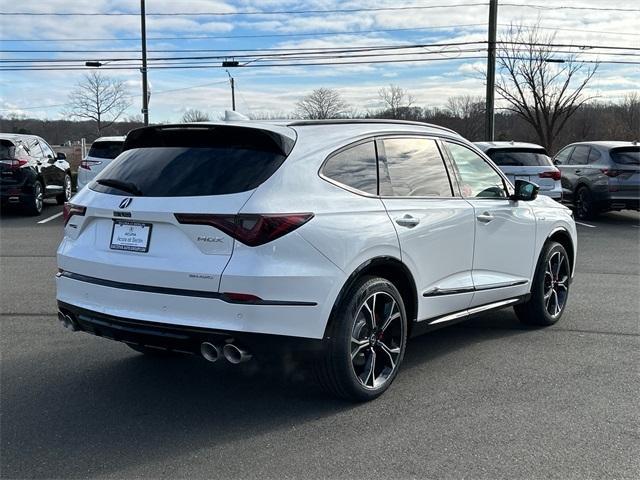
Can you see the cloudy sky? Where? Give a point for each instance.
(435, 73)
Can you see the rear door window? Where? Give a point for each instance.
(580, 155)
(193, 162)
(35, 150)
(626, 155)
(354, 167)
(562, 158)
(594, 155)
(104, 149)
(416, 168)
(519, 157)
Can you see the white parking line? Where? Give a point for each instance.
(48, 219)
(585, 225)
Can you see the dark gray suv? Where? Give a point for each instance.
(599, 177)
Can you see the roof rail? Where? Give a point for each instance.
(338, 121)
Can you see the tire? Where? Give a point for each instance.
(152, 352)
(34, 204)
(585, 208)
(65, 196)
(350, 365)
(550, 289)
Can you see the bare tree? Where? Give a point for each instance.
(396, 99)
(194, 115)
(320, 104)
(468, 115)
(545, 93)
(98, 98)
(629, 115)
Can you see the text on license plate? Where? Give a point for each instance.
(130, 236)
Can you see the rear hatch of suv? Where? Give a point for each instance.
(530, 164)
(624, 178)
(159, 214)
(12, 158)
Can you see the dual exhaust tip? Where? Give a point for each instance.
(232, 353)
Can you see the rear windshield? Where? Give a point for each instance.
(626, 155)
(513, 157)
(178, 163)
(7, 150)
(105, 149)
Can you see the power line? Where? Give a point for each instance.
(567, 7)
(247, 12)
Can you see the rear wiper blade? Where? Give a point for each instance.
(128, 187)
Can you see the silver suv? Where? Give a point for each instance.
(599, 177)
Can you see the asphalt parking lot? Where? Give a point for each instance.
(485, 399)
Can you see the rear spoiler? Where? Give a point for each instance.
(209, 136)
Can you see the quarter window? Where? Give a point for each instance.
(580, 155)
(477, 177)
(594, 155)
(416, 168)
(355, 167)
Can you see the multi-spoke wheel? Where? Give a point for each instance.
(550, 289)
(366, 340)
(36, 202)
(65, 196)
(585, 209)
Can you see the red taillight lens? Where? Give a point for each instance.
(70, 210)
(610, 172)
(252, 230)
(87, 164)
(555, 174)
(15, 163)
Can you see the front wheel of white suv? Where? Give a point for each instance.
(366, 341)
(550, 289)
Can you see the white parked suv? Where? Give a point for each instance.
(339, 239)
(103, 150)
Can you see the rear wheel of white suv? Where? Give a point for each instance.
(366, 340)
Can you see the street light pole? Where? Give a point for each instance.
(143, 70)
(233, 91)
(489, 124)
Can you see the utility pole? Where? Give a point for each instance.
(489, 125)
(233, 91)
(143, 70)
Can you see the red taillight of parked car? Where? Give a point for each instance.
(15, 163)
(555, 174)
(87, 164)
(609, 172)
(70, 210)
(251, 229)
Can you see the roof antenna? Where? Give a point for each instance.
(231, 116)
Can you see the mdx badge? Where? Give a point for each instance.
(126, 202)
(210, 239)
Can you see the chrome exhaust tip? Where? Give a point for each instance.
(210, 352)
(235, 354)
(67, 321)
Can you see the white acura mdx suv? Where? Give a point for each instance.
(338, 238)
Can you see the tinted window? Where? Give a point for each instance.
(477, 177)
(562, 158)
(185, 171)
(105, 149)
(46, 149)
(354, 167)
(594, 155)
(35, 150)
(626, 155)
(519, 157)
(580, 155)
(416, 168)
(7, 150)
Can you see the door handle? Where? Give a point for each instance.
(485, 217)
(407, 221)
(578, 171)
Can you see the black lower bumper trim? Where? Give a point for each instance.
(176, 337)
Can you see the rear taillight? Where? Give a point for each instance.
(609, 172)
(555, 174)
(250, 229)
(15, 163)
(87, 164)
(70, 210)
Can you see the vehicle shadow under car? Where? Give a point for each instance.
(103, 416)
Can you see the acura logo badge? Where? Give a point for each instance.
(126, 202)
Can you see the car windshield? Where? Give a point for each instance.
(105, 149)
(626, 155)
(514, 157)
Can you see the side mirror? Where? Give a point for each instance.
(61, 156)
(525, 191)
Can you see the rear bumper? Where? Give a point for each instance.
(191, 309)
(177, 338)
(623, 203)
